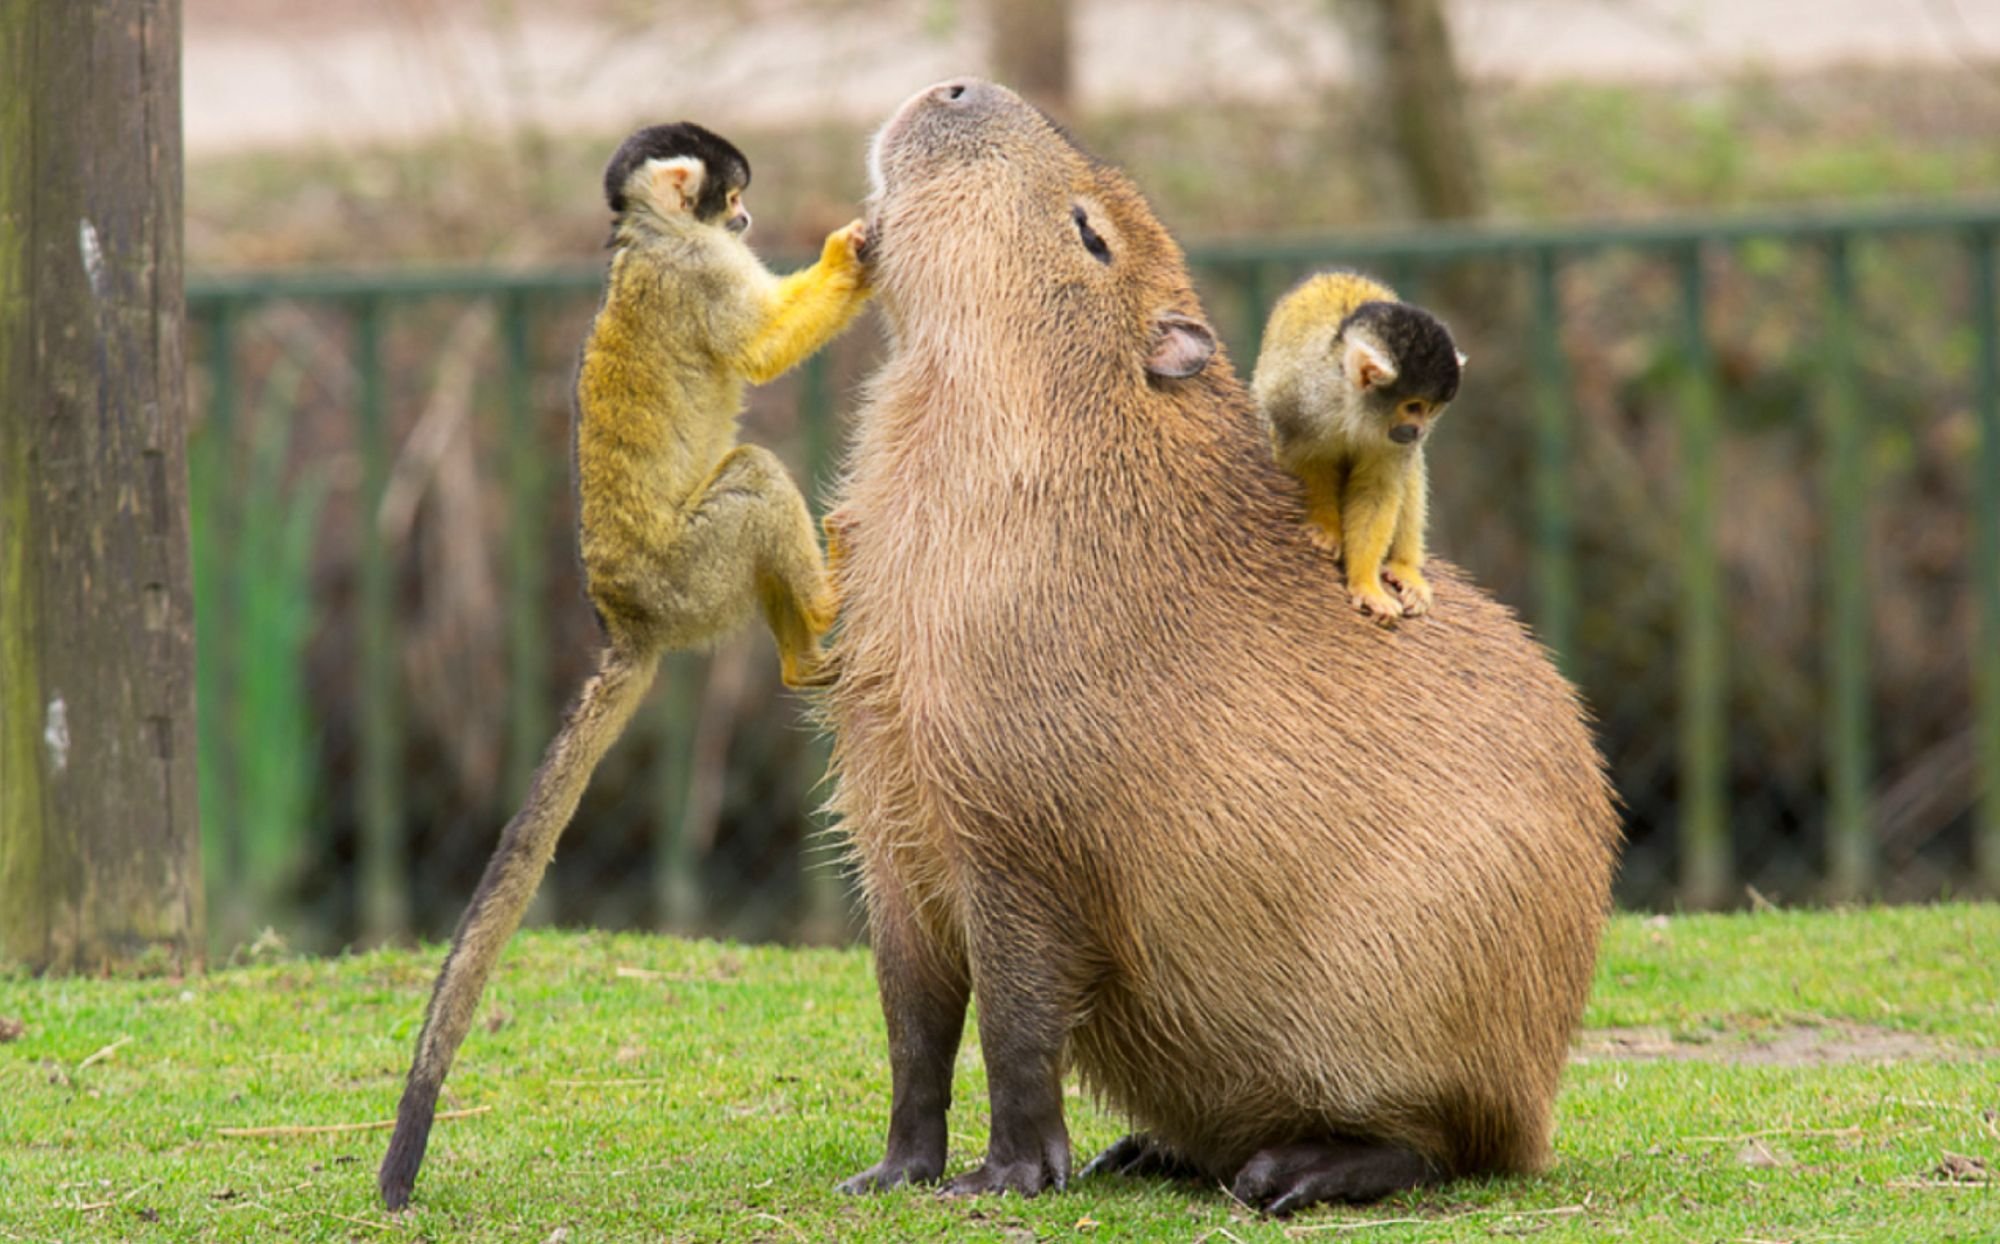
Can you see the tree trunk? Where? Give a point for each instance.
(99, 844)
(1030, 51)
(1408, 70)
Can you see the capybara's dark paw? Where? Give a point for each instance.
(894, 1171)
(1035, 1161)
(1027, 1178)
(1287, 1178)
(1139, 1156)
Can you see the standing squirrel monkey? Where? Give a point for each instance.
(1350, 379)
(682, 531)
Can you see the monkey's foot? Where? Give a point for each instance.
(1287, 1178)
(1139, 1156)
(823, 611)
(836, 525)
(1376, 602)
(1412, 589)
(1325, 541)
(802, 673)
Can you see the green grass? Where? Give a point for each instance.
(642, 1087)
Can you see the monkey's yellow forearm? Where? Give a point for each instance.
(1322, 482)
(1407, 547)
(1376, 492)
(808, 309)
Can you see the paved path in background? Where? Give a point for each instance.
(407, 69)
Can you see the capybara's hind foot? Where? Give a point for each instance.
(1139, 1156)
(1287, 1178)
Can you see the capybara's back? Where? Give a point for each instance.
(1315, 903)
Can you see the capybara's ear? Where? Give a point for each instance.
(1182, 346)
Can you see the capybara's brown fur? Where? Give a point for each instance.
(1295, 893)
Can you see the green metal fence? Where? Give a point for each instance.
(1852, 280)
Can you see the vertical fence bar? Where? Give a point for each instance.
(1850, 841)
(677, 893)
(826, 893)
(213, 527)
(1555, 567)
(1986, 556)
(1705, 848)
(528, 727)
(384, 898)
(1254, 282)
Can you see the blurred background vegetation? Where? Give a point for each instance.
(354, 779)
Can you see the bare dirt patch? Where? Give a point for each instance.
(1790, 1045)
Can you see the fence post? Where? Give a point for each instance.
(100, 859)
(1986, 557)
(1555, 570)
(1704, 839)
(1849, 836)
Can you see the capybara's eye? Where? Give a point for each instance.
(1091, 242)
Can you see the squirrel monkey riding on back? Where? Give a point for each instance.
(1351, 379)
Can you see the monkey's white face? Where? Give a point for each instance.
(673, 186)
(1359, 385)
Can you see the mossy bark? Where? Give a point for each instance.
(99, 843)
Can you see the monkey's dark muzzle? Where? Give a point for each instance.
(1406, 434)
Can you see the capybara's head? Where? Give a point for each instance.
(979, 198)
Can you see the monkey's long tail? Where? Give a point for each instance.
(593, 724)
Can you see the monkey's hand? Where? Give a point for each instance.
(846, 252)
(1412, 589)
(809, 307)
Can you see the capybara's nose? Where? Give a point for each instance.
(958, 91)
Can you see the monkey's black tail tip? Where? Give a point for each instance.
(398, 1175)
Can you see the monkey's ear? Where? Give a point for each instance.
(675, 183)
(1365, 366)
(1182, 346)
(1462, 360)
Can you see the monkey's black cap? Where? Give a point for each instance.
(726, 168)
(1426, 358)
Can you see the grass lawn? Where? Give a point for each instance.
(1784, 1076)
